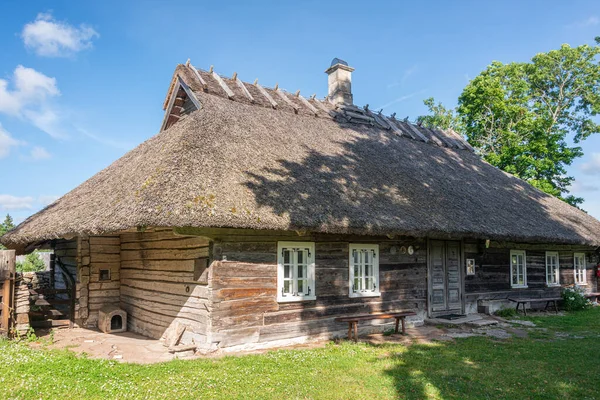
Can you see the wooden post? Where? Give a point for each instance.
(7, 278)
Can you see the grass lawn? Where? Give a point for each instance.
(542, 367)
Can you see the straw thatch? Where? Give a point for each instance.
(241, 164)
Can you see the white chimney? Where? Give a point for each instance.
(339, 82)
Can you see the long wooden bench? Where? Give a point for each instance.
(593, 295)
(354, 319)
(524, 301)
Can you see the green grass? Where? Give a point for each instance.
(474, 368)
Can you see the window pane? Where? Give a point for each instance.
(287, 286)
(357, 284)
(355, 257)
(286, 256)
(300, 286)
(357, 273)
(300, 271)
(286, 271)
(301, 257)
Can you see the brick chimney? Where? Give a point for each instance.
(339, 78)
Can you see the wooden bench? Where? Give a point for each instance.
(354, 319)
(524, 301)
(593, 295)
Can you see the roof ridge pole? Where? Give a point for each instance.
(265, 94)
(195, 71)
(417, 132)
(392, 124)
(223, 85)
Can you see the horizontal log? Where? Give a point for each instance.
(177, 243)
(169, 311)
(105, 240)
(167, 276)
(165, 254)
(168, 299)
(168, 287)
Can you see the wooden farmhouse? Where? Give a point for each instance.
(256, 216)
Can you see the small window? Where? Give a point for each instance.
(518, 269)
(364, 270)
(296, 271)
(105, 274)
(552, 269)
(580, 270)
(470, 266)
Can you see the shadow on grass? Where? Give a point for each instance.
(480, 368)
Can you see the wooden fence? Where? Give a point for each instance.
(7, 284)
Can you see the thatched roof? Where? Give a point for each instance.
(244, 163)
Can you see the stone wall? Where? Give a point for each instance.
(24, 282)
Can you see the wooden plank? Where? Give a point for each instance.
(190, 94)
(223, 85)
(286, 99)
(265, 94)
(244, 89)
(441, 136)
(414, 130)
(392, 124)
(308, 105)
(460, 139)
(200, 79)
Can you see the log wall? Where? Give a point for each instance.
(491, 282)
(159, 287)
(245, 311)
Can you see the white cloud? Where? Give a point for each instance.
(39, 153)
(50, 38)
(9, 202)
(29, 99)
(6, 142)
(592, 167)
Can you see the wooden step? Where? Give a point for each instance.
(51, 323)
(48, 314)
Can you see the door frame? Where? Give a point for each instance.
(430, 312)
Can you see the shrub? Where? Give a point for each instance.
(32, 263)
(574, 299)
(506, 312)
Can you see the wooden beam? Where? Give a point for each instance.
(461, 139)
(243, 87)
(458, 143)
(190, 94)
(286, 99)
(265, 94)
(416, 132)
(170, 104)
(202, 81)
(323, 108)
(392, 124)
(308, 105)
(223, 85)
(438, 134)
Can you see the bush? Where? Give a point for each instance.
(574, 299)
(506, 312)
(32, 263)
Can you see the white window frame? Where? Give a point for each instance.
(524, 255)
(374, 248)
(556, 271)
(310, 292)
(576, 273)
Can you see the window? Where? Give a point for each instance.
(364, 270)
(518, 269)
(580, 271)
(552, 269)
(470, 266)
(295, 271)
(104, 275)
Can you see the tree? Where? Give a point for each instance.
(32, 263)
(439, 117)
(520, 116)
(6, 226)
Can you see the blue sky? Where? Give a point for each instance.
(83, 82)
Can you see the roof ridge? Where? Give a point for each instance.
(235, 89)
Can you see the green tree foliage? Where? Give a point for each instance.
(32, 263)
(6, 226)
(522, 116)
(439, 116)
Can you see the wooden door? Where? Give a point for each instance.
(7, 276)
(445, 277)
